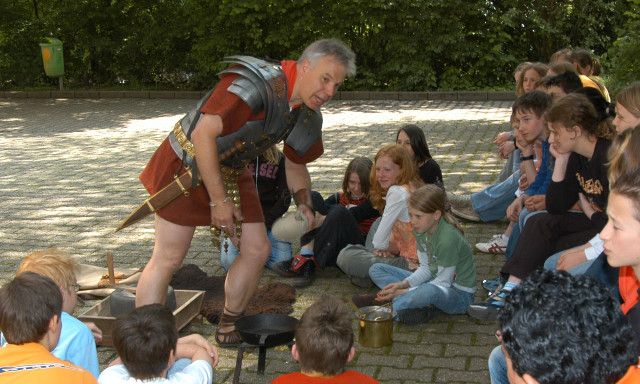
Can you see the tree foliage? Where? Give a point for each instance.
(623, 63)
(405, 45)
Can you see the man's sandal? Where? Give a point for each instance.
(230, 338)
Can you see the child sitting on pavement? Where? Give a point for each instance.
(561, 329)
(446, 278)
(149, 350)
(324, 346)
(343, 218)
(393, 179)
(579, 142)
(30, 309)
(77, 343)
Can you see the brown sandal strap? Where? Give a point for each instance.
(230, 337)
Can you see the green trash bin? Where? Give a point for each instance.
(52, 57)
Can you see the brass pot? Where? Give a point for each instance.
(376, 326)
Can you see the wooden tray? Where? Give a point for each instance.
(188, 307)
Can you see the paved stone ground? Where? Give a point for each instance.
(69, 176)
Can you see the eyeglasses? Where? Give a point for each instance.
(76, 287)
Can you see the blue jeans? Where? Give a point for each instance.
(280, 251)
(491, 203)
(178, 366)
(580, 269)
(450, 300)
(498, 366)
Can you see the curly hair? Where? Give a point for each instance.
(560, 328)
(576, 110)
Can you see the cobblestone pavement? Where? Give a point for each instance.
(70, 175)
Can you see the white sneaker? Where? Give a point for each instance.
(460, 202)
(498, 244)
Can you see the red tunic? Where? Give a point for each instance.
(194, 210)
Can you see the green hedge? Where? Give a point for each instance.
(401, 45)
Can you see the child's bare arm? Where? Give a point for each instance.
(196, 347)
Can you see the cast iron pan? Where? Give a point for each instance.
(266, 330)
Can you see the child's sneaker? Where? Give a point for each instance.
(466, 213)
(498, 244)
(416, 316)
(459, 201)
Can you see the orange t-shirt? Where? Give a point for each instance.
(632, 376)
(628, 284)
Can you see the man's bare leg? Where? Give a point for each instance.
(244, 274)
(171, 246)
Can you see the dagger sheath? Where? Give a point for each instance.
(180, 185)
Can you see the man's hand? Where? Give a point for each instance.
(224, 216)
(308, 213)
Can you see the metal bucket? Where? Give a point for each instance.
(376, 326)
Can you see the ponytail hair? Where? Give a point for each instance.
(583, 59)
(430, 198)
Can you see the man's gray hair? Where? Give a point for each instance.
(330, 47)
